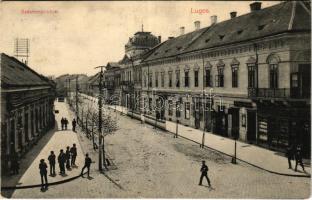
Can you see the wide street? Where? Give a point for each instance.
(151, 163)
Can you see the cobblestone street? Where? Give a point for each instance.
(152, 164)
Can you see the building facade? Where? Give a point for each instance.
(27, 109)
(228, 78)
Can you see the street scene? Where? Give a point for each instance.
(150, 107)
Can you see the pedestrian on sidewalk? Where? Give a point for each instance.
(74, 125)
(43, 173)
(204, 173)
(14, 163)
(87, 165)
(73, 152)
(65, 123)
(67, 153)
(61, 160)
(298, 157)
(290, 155)
(62, 123)
(51, 159)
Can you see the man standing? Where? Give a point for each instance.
(67, 158)
(298, 158)
(43, 173)
(73, 152)
(204, 171)
(62, 123)
(65, 122)
(51, 159)
(74, 125)
(87, 165)
(61, 160)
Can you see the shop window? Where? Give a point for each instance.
(187, 110)
(170, 108)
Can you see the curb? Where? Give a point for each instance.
(273, 172)
(39, 185)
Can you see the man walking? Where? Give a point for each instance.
(51, 159)
(43, 173)
(87, 165)
(204, 171)
(74, 125)
(67, 158)
(61, 160)
(73, 152)
(298, 157)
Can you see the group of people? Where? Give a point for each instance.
(64, 123)
(295, 152)
(67, 159)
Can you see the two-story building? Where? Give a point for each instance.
(246, 77)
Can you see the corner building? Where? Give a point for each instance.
(257, 67)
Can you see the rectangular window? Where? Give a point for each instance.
(150, 81)
(156, 79)
(150, 104)
(273, 76)
(162, 79)
(170, 108)
(186, 79)
(234, 76)
(196, 78)
(220, 77)
(187, 110)
(178, 78)
(170, 79)
(251, 76)
(208, 78)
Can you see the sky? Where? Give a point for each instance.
(75, 37)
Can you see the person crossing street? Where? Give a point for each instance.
(204, 173)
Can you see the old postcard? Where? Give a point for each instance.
(155, 99)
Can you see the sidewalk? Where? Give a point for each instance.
(56, 140)
(261, 157)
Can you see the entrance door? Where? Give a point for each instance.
(12, 137)
(251, 126)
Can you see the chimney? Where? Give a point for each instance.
(233, 14)
(159, 39)
(197, 25)
(182, 30)
(213, 19)
(255, 6)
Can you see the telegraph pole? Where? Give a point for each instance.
(77, 113)
(203, 104)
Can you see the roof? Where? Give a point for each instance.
(284, 17)
(17, 74)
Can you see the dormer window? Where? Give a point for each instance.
(221, 37)
(207, 40)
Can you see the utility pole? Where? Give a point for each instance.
(101, 138)
(203, 103)
(77, 113)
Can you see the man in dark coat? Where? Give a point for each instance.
(298, 157)
(43, 173)
(73, 152)
(67, 153)
(61, 160)
(62, 123)
(87, 165)
(74, 125)
(51, 159)
(204, 173)
(65, 123)
(290, 155)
